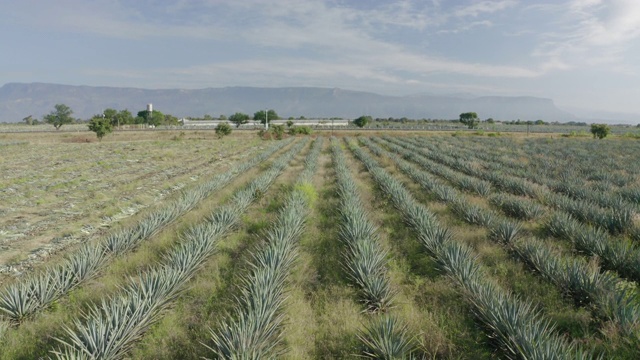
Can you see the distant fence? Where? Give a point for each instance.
(315, 123)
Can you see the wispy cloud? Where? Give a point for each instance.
(467, 27)
(344, 42)
(483, 7)
(592, 32)
(106, 18)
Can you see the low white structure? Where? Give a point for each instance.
(252, 123)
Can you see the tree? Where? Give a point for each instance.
(122, 118)
(170, 120)
(600, 131)
(28, 120)
(470, 119)
(154, 117)
(222, 117)
(289, 123)
(265, 117)
(239, 118)
(117, 118)
(223, 129)
(490, 121)
(362, 120)
(100, 125)
(60, 116)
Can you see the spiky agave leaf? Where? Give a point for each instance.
(85, 262)
(46, 287)
(17, 301)
(505, 231)
(256, 333)
(529, 335)
(121, 241)
(386, 338)
(110, 329)
(434, 238)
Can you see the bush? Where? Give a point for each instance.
(600, 131)
(302, 130)
(223, 129)
(470, 119)
(278, 131)
(275, 131)
(101, 126)
(238, 118)
(362, 121)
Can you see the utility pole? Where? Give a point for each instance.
(266, 119)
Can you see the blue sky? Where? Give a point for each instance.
(581, 53)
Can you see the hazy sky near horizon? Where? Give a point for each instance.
(581, 53)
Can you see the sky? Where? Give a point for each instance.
(580, 53)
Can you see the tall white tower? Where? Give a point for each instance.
(150, 108)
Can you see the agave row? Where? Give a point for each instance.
(26, 297)
(514, 206)
(616, 219)
(501, 181)
(516, 325)
(585, 283)
(109, 330)
(365, 259)
(458, 179)
(621, 204)
(616, 254)
(255, 331)
(365, 263)
(561, 171)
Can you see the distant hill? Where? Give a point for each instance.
(19, 100)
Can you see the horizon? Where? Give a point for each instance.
(579, 53)
(594, 116)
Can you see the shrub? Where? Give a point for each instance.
(362, 121)
(600, 131)
(101, 126)
(223, 129)
(278, 131)
(303, 130)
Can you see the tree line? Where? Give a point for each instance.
(104, 123)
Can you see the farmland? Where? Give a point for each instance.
(179, 245)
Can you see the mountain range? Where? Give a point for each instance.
(18, 100)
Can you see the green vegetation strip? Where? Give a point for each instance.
(611, 298)
(255, 332)
(617, 219)
(24, 298)
(108, 330)
(366, 264)
(571, 169)
(618, 254)
(516, 325)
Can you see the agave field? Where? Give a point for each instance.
(389, 246)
